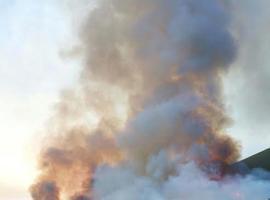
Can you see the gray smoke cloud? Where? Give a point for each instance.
(152, 76)
(45, 190)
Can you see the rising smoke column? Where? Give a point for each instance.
(168, 57)
(152, 76)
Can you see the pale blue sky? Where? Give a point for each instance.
(32, 33)
(31, 74)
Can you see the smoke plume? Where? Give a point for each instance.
(152, 82)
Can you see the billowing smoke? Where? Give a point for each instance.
(45, 190)
(152, 84)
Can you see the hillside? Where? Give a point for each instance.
(259, 160)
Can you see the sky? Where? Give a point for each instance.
(247, 85)
(34, 36)
(32, 72)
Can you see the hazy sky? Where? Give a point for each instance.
(32, 72)
(248, 83)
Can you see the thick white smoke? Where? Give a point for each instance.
(188, 183)
(159, 63)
